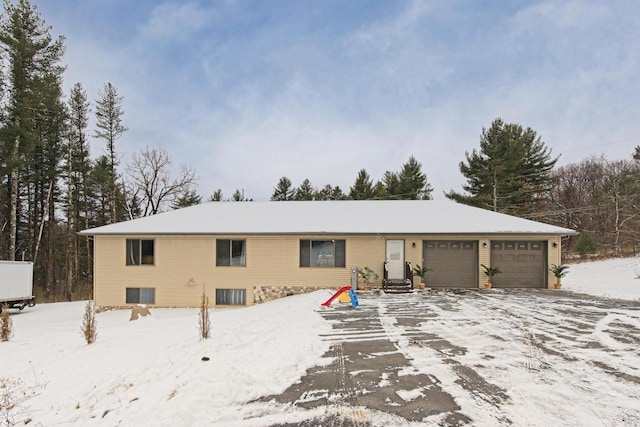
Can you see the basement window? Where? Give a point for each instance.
(141, 295)
(231, 296)
(139, 252)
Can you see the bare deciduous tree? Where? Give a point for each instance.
(150, 183)
(599, 198)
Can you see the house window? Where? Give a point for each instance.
(230, 252)
(141, 295)
(139, 252)
(230, 296)
(322, 253)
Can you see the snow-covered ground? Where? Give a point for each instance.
(150, 371)
(614, 278)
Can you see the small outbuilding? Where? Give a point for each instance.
(245, 252)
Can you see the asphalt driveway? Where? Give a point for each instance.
(475, 357)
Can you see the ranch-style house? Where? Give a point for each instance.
(240, 253)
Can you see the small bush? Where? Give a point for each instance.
(586, 244)
(89, 326)
(204, 323)
(6, 324)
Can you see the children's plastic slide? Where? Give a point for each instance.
(334, 296)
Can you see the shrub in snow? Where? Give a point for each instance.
(204, 324)
(6, 324)
(89, 326)
(586, 244)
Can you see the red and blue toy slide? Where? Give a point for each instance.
(352, 295)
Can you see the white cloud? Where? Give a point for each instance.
(176, 21)
(284, 98)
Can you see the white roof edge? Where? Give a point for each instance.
(330, 217)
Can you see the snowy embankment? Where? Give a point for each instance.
(149, 371)
(613, 278)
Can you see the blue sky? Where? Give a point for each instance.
(249, 91)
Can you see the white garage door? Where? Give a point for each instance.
(454, 263)
(523, 264)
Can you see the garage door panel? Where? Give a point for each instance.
(454, 263)
(523, 264)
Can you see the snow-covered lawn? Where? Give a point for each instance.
(150, 372)
(612, 278)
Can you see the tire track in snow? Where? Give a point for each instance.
(477, 388)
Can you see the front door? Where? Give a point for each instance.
(395, 259)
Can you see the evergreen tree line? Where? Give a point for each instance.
(51, 187)
(410, 183)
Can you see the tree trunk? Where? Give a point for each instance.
(13, 214)
(616, 242)
(71, 259)
(495, 192)
(112, 196)
(51, 240)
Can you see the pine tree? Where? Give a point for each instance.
(283, 190)
(110, 128)
(412, 183)
(362, 188)
(328, 192)
(216, 196)
(237, 196)
(31, 57)
(510, 173)
(187, 198)
(100, 181)
(388, 186)
(78, 204)
(45, 169)
(305, 191)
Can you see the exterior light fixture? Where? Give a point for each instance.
(484, 245)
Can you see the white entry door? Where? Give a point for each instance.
(395, 259)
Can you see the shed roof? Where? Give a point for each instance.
(330, 217)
